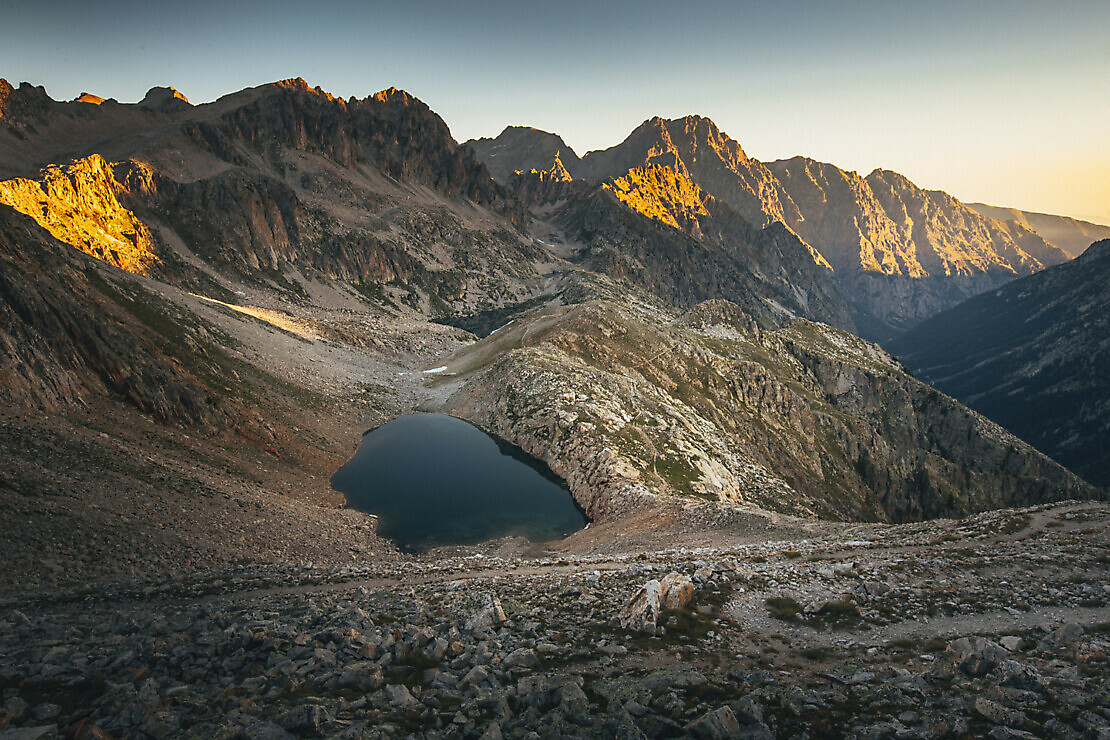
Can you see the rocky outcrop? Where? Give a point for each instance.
(627, 406)
(662, 195)
(1032, 355)
(78, 204)
(21, 107)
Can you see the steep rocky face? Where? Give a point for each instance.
(629, 405)
(902, 254)
(523, 149)
(768, 271)
(662, 195)
(77, 204)
(1069, 234)
(1034, 356)
(952, 239)
(695, 147)
(20, 107)
(391, 130)
(838, 211)
(68, 333)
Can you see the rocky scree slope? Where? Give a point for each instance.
(629, 405)
(865, 631)
(1034, 356)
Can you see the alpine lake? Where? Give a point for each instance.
(434, 480)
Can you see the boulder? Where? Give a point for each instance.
(977, 656)
(675, 591)
(720, 724)
(642, 610)
(490, 616)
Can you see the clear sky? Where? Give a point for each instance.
(1003, 101)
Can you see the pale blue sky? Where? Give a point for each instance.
(1005, 102)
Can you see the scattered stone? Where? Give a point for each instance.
(720, 724)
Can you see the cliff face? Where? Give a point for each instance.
(952, 239)
(630, 406)
(1032, 355)
(77, 204)
(712, 253)
(662, 195)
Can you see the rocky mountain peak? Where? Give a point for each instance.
(299, 84)
(698, 135)
(526, 149)
(165, 100)
(87, 97)
(394, 95)
(26, 101)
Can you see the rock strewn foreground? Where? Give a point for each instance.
(991, 626)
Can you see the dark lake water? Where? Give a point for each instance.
(435, 480)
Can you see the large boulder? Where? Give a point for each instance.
(675, 591)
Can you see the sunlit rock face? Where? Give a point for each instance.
(661, 194)
(78, 204)
(1069, 234)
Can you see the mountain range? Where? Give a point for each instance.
(897, 254)
(669, 324)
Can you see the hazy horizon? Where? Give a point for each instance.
(997, 102)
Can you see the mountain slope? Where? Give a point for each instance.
(656, 232)
(1034, 356)
(1070, 234)
(630, 405)
(520, 148)
(68, 334)
(283, 183)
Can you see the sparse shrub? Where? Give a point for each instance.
(783, 607)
